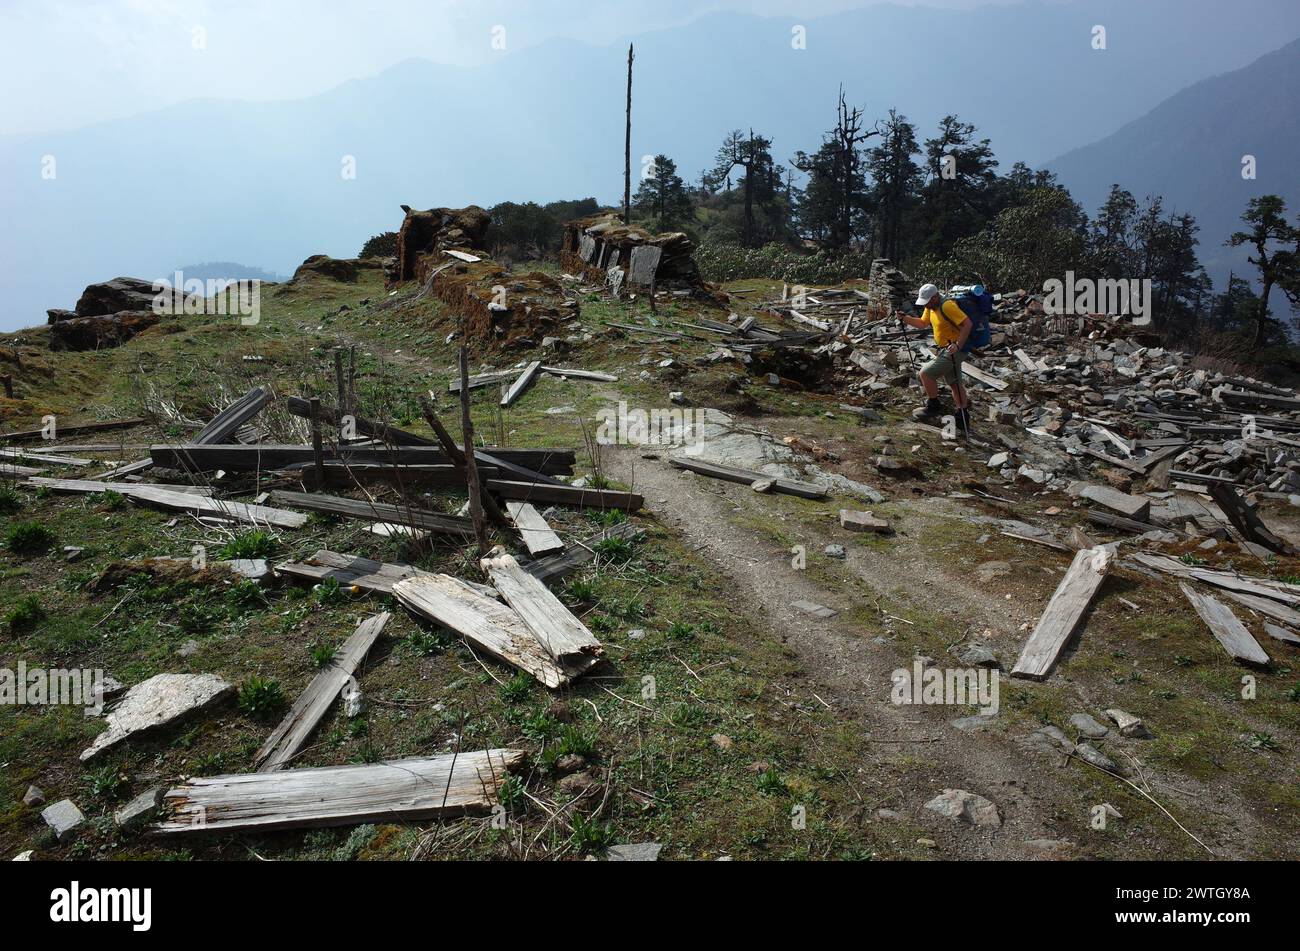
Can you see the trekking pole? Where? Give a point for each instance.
(911, 360)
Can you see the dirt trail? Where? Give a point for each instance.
(849, 669)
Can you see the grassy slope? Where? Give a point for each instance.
(671, 781)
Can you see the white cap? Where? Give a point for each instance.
(925, 294)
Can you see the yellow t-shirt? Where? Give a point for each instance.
(946, 326)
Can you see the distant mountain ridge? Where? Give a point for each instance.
(1190, 149)
(263, 181)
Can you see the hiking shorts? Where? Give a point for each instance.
(945, 367)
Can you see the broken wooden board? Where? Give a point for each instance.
(805, 490)
(1064, 612)
(1226, 628)
(169, 497)
(346, 475)
(1246, 520)
(489, 626)
(74, 430)
(1285, 635)
(483, 379)
(975, 373)
(350, 571)
(577, 554)
(406, 789)
(227, 422)
(854, 521)
(18, 455)
(539, 538)
(288, 738)
(1288, 594)
(565, 638)
(1265, 606)
(1130, 506)
(525, 380)
(155, 703)
(566, 495)
(377, 512)
(266, 457)
(577, 374)
(13, 470)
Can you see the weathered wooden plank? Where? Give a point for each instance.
(72, 430)
(406, 789)
(483, 379)
(524, 381)
(225, 424)
(1265, 606)
(18, 455)
(566, 495)
(1285, 635)
(13, 470)
(975, 373)
(577, 554)
(488, 625)
(489, 464)
(342, 475)
(1226, 628)
(377, 512)
(1264, 587)
(169, 498)
(288, 738)
(1130, 506)
(349, 571)
(576, 374)
(539, 538)
(266, 457)
(804, 490)
(1246, 519)
(1064, 612)
(565, 638)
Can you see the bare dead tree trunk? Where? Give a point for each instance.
(627, 145)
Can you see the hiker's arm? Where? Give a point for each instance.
(918, 322)
(964, 334)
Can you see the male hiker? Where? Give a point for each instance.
(951, 328)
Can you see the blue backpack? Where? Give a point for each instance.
(977, 304)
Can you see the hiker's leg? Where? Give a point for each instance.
(958, 395)
(930, 385)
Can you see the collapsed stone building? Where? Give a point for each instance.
(602, 248)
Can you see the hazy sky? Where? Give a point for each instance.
(67, 63)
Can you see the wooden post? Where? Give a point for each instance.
(457, 459)
(627, 145)
(318, 451)
(471, 466)
(352, 380)
(654, 308)
(8, 382)
(340, 382)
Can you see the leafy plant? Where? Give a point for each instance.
(107, 782)
(323, 654)
(681, 631)
(27, 611)
(770, 783)
(29, 538)
(329, 592)
(426, 642)
(254, 543)
(110, 500)
(259, 696)
(616, 550)
(10, 501)
(590, 835)
(516, 689)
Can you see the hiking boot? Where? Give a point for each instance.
(963, 420)
(932, 409)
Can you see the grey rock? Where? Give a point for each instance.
(816, 610)
(34, 797)
(64, 818)
(140, 809)
(1085, 751)
(962, 806)
(975, 654)
(637, 852)
(570, 763)
(835, 551)
(973, 724)
(1087, 726)
(155, 702)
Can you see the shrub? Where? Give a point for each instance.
(731, 262)
(323, 654)
(26, 612)
(10, 501)
(29, 538)
(383, 245)
(516, 689)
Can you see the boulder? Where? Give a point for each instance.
(962, 806)
(99, 333)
